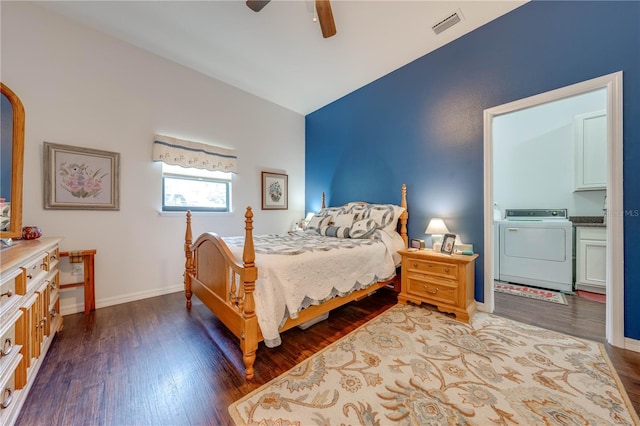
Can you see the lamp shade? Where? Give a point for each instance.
(436, 226)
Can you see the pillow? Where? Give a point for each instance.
(335, 231)
(331, 212)
(359, 211)
(385, 215)
(363, 228)
(317, 222)
(344, 219)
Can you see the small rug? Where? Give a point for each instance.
(415, 366)
(531, 292)
(594, 297)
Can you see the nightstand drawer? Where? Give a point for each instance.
(431, 290)
(431, 267)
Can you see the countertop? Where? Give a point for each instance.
(588, 221)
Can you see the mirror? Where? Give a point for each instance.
(11, 163)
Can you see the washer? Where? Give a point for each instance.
(536, 248)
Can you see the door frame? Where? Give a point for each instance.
(615, 210)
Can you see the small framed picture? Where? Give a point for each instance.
(448, 242)
(416, 243)
(274, 191)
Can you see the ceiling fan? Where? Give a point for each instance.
(323, 9)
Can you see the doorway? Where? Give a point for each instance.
(612, 83)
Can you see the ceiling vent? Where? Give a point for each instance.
(446, 23)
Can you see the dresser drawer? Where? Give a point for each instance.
(433, 290)
(9, 342)
(432, 267)
(51, 259)
(54, 285)
(11, 289)
(36, 269)
(8, 391)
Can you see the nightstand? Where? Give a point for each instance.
(446, 281)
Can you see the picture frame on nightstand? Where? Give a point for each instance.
(448, 242)
(416, 243)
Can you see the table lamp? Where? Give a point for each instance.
(437, 229)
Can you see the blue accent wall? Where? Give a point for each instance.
(423, 124)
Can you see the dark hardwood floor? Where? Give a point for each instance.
(153, 362)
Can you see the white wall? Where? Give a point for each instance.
(82, 88)
(534, 157)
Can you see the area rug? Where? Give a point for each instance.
(594, 297)
(530, 292)
(415, 366)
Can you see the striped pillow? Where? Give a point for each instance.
(335, 231)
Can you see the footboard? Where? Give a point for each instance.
(225, 285)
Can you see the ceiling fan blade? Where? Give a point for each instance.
(257, 5)
(325, 16)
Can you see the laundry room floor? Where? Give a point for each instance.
(579, 317)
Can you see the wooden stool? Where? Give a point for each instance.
(88, 283)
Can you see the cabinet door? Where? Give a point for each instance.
(591, 151)
(592, 262)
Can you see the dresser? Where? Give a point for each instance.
(29, 317)
(446, 281)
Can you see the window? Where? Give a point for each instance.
(195, 189)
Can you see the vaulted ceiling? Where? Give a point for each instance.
(279, 53)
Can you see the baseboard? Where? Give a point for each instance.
(632, 344)
(67, 309)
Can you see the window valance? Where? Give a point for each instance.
(194, 154)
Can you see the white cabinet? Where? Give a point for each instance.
(591, 259)
(590, 151)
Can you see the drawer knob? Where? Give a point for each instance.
(52, 284)
(426, 288)
(7, 293)
(53, 313)
(29, 276)
(7, 347)
(53, 257)
(446, 269)
(7, 397)
(415, 265)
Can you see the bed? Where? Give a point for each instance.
(260, 286)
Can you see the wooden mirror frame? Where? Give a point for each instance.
(17, 162)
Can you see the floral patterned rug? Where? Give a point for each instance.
(415, 366)
(530, 292)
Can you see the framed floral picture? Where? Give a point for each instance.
(275, 191)
(80, 178)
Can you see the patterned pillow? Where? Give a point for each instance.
(344, 219)
(317, 222)
(331, 212)
(335, 231)
(359, 210)
(385, 215)
(363, 228)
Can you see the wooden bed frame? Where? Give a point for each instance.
(226, 285)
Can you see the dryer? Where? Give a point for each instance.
(536, 248)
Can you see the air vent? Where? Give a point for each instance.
(446, 23)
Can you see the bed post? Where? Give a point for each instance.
(323, 205)
(189, 268)
(249, 334)
(404, 216)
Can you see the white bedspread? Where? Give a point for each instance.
(302, 269)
